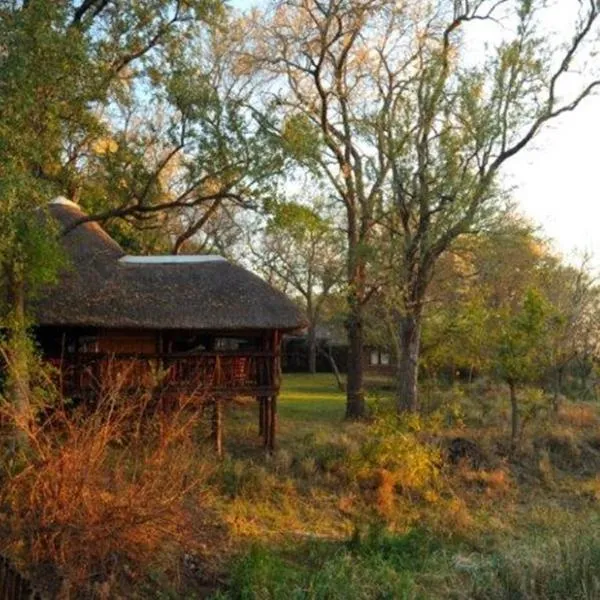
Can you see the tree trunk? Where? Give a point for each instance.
(408, 366)
(312, 349)
(514, 415)
(557, 388)
(336, 372)
(355, 398)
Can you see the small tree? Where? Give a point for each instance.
(302, 251)
(523, 350)
(574, 297)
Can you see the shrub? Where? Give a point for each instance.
(100, 497)
(395, 447)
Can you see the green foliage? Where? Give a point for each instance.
(302, 139)
(261, 575)
(522, 351)
(47, 83)
(352, 573)
(302, 253)
(393, 445)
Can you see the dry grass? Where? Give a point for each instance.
(126, 490)
(581, 416)
(100, 498)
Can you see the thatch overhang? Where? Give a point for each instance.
(101, 287)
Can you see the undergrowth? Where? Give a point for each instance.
(488, 522)
(118, 500)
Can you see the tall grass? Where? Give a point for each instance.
(567, 568)
(98, 496)
(416, 566)
(373, 566)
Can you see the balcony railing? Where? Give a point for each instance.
(251, 373)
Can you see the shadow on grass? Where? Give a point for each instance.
(376, 566)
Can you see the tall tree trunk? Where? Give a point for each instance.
(312, 349)
(408, 365)
(355, 398)
(514, 415)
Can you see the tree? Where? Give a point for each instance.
(185, 151)
(321, 70)
(574, 325)
(64, 67)
(523, 350)
(457, 125)
(399, 113)
(302, 251)
(481, 278)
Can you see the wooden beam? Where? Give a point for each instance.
(266, 423)
(275, 382)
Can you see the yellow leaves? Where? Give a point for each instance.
(212, 186)
(104, 145)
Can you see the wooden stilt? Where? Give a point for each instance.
(267, 423)
(217, 426)
(272, 423)
(261, 416)
(276, 382)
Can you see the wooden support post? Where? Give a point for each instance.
(261, 415)
(275, 382)
(217, 426)
(267, 423)
(272, 423)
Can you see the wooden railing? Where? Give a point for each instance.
(227, 373)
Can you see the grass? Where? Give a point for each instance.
(309, 402)
(373, 510)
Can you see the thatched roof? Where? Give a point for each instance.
(104, 288)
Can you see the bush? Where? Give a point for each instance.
(394, 447)
(100, 497)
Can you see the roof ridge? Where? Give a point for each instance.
(166, 259)
(63, 201)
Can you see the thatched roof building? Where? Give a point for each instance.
(102, 287)
(199, 326)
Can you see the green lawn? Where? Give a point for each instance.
(310, 399)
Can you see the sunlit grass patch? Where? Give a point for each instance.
(292, 514)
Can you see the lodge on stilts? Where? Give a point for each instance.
(210, 328)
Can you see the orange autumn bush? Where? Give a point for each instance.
(99, 495)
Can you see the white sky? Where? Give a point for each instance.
(556, 180)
